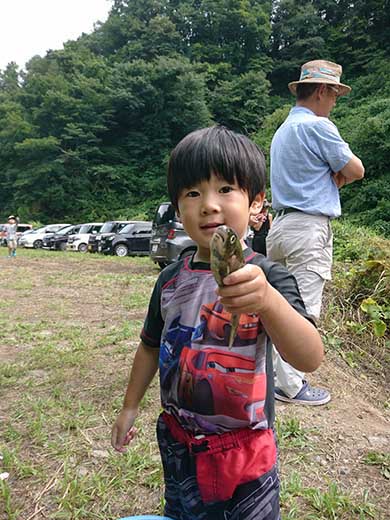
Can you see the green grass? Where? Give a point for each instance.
(381, 460)
(68, 352)
(329, 504)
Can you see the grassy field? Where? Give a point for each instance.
(69, 327)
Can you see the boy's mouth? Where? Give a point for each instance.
(211, 225)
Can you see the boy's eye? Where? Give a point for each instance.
(192, 193)
(226, 189)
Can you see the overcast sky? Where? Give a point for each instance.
(30, 27)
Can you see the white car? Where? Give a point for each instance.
(34, 239)
(79, 242)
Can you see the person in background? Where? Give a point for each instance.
(10, 234)
(215, 433)
(310, 162)
(260, 225)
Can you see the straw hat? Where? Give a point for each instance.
(321, 71)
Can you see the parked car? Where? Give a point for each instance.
(35, 238)
(79, 242)
(109, 228)
(132, 240)
(58, 241)
(169, 242)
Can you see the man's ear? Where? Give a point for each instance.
(321, 90)
(257, 203)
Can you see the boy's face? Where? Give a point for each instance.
(209, 204)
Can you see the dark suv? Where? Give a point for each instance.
(131, 240)
(169, 242)
(58, 241)
(109, 228)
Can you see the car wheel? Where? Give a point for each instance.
(121, 250)
(162, 264)
(62, 246)
(202, 399)
(37, 244)
(83, 248)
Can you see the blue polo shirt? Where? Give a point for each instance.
(305, 152)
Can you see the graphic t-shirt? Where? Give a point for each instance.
(208, 387)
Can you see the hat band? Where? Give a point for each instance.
(321, 73)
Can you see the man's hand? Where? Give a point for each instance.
(245, 290)
(339, 180)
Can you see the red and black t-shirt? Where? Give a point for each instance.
(208, 387)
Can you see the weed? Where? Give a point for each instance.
(5, 493)
(334, 505)
(290, 434)
(379, 459)
(331, 504)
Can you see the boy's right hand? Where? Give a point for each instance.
(123, 431)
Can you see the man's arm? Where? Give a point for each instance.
(352, 171)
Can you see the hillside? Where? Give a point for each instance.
(85, 132)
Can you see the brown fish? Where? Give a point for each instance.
(226, 256)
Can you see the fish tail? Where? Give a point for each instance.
(233, 329)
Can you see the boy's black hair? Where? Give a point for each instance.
(217, 150)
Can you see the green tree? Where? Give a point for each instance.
(242, 102)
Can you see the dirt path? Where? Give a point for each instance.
(88, 292)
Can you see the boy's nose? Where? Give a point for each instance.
(210, 205)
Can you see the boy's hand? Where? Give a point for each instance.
(245, 291)
(123, 431)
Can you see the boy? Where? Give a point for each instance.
(215, 434)
(10, 234)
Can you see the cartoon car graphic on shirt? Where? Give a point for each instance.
(217, 324)
(219, 382)
(175, 338)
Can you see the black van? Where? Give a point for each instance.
(169, 242)
(109, 228)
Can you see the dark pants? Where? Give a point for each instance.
(259, 243)
(257, 499)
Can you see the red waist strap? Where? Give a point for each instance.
(213, 443)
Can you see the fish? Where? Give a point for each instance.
(226, 256)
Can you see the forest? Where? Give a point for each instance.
(86, 131)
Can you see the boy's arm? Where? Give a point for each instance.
(296, 338)
(144, 368)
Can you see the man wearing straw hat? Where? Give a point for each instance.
(310, 162)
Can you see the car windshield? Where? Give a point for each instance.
(64, 230)
(107, 227)
(39, 230)
(127, 228)
(85, 228)
(165, 214)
